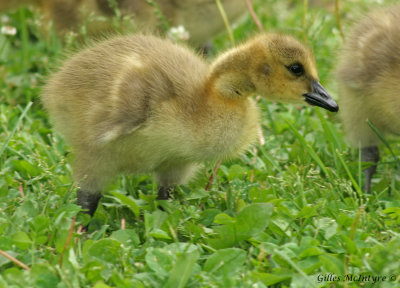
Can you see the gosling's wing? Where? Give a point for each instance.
(138, 95)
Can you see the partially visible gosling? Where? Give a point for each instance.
(7, 4)
(368, 75)
(143, 104)
(65, 14)
(201, 18)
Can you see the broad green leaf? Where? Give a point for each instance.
(351, 247)
(332, 264)
(27, 209)
(393, 212)
(327, 225)
(101, 284)
(6, 243)
(160, 261)
(251, 220)
(223, 218)
(107, 250)
(159, 234)
(312, 251)
(28, 168)
(257, 195)
(236, 171)
(128, 237)
(44, 276)
(13, 275)
(194, 230)
(129, 202)
(154, 220)
(344, 220)
(22, 240)
(270, 279)
(40, 223)
(181, 247)
(198, 194)
(208, 216)
(225, 261)
(309, 264)
(182, 269)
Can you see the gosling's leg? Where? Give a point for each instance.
(92, 175)
(88, 200)
(164, 193)
(169, 177)
(369, 154)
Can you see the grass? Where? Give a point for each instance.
(288, 214)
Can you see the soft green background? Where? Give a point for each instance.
(284, 217)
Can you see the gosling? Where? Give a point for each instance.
(201, 18)
(368, 78)
(65, 14)
(143, 104)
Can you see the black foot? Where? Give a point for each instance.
(164, 192)
(369, 154)
(88, 200)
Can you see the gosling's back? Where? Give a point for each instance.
(126, 80)
(368, 75)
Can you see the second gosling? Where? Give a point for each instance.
(368, 78)
(143, 104)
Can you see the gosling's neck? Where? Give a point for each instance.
(229, 78)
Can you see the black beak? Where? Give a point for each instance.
(319, 97)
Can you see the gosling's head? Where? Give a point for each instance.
(277, 67)
(283, 69)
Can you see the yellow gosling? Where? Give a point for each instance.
(135, 104)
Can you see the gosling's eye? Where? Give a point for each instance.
(296, 69)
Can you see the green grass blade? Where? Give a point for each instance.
(269, 115)
(270, 159)
(383, 139)
(24, 38)
(295, 266)
(346, 168)
(359, 167)
(309, 149)
(23, 114)
(333, 137)
(226, 21)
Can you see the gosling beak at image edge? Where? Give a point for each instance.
(319, 97)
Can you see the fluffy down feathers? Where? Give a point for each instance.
(368, 76)
(143, 104)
